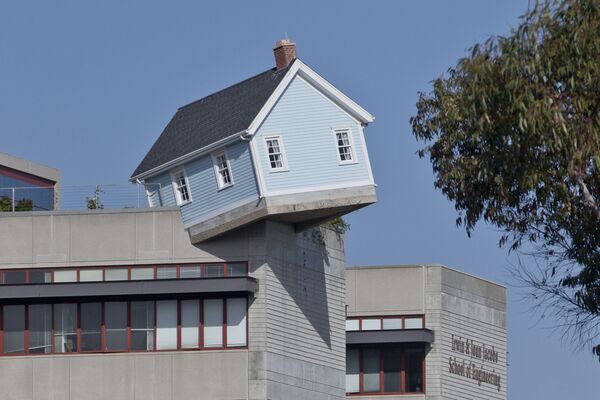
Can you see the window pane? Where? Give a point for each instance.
(65, 328)
(351, 324)
(40, 328)
(14, 329)
(371, 370)
(90, 275)
(91, 321)
(69, 275)
(166, 324)
(190, 323)
(236, 322)
(371, 324)
(142, 273)
(40, 276)
(115, 317)
(414, 371)
(213, 323)
(352, 370)
(189, 271)
(391, 370)
(115, 274)
(392, 323)
(236, 269)
(166, 273)
(413, 323)
(14, 277)
(142, 325)
(214, 271)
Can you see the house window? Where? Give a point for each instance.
(276, 154)
(222, 170)
(181, 187)
(344, 145)
(384, 370)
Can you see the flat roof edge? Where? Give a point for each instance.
(9, 214)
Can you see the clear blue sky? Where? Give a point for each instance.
(87, 88)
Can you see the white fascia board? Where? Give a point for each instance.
(187, 157)
(299, 68)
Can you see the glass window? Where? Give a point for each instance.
(14, 328)
(65, 328)
(372, 324)
(213, 323)
(142, 325)
(392, 361)
(90, 275)
(116, 274)
(351, 324)
(40, 328)
(214, 271)
(189, 271)
(69, 275)
(371, 370)
(181, 187)
(392, 323)
(352, 370)
(138, 274)
(275, 152)
(40, 276)
(166, 273)
(91, 323)
(344, 146)
(14, 277)
(166, 324)
(236, 322)
(413, 323)
(115, 318)
(236, 269)
(414, 371)
(190, 323)
(222, 170)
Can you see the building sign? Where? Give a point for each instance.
(475, 361)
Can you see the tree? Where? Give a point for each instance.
(94, 203)
(513, 136)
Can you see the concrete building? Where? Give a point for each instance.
(228, 286)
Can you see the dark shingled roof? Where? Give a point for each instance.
(212, 118)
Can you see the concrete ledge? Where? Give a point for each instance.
(391, 336)
(128, 288)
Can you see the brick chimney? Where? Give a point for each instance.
(285, 53)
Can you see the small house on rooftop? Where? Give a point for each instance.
(284, 144)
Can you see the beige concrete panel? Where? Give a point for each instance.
(51, 238)
(16, 379)
(351, 289)
(51, 377)
(86, 378)
(103, 236)
(15, 240)
(153, 377)
(154, 239)
(119, 375)
(214, 375)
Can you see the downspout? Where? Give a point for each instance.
(246, 137)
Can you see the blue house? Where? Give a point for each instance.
(284, 144)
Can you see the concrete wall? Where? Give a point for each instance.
(20, 164)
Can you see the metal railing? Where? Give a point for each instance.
(82, 197)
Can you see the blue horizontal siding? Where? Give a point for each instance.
(206, 196)
(304, 118)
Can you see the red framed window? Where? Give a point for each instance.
(378, 323)
(385, 370)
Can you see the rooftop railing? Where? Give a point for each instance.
(82, 197)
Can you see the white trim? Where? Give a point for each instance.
(284, 161)
(353, 157)
(366, 153)
(219, 211)
(214, 155)
(258, 173)
(178, 200)
(299, 68)
(318, 188)
(179, 160)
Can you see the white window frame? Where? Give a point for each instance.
(220, 184)
(284, 162)
(174, 174)
(348, 132)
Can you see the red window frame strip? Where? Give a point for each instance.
(381, 318)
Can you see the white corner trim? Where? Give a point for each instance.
(213, 156)
(260, 180)
(211, 214)
(363, 142)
